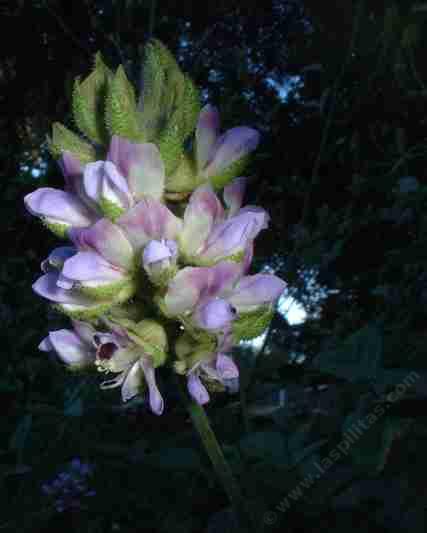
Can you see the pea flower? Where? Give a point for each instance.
(131, 172)
(212, 297)
(74, 347)
(216, 153)
(211, 234)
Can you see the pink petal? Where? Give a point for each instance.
(154, 396)
(230, 147)
(149, 220)
(90, 266)
(226, 367)
(114, 187)
(146, 175)
(58, 207)
(108, 240)
(156, 251)
(206, 134)
(92, 180)
(196, 389)
(234, 235)
(203, 211)
(70, 348)
(214, 314)
(260, 289)
(47, 287)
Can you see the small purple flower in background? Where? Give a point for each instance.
(70, 488)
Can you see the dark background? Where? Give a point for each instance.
(338, 91)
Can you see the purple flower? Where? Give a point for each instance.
(131, 172)
(210, 234)
(214, 296)
(215, 153)
(75, 348)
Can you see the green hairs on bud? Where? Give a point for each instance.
(60, 230)
(109, 291)
(89, 314)
(121, 114)
(89, 102)
(250, 325)
(185, 178)
(64, 139)
(110, 209)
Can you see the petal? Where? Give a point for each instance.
(92, 180)
(85, 331)
(90, 266)
(196, 389)
(234, 235)
(146, 172)
(154, 396)
(149, 220)
(120, 153)
(72, 170)
(70, 348)
(114, 187)
(233, 195)
(214, 314)
(47, 287)
(108, 240)
(230, 147)
(156, 251)
(132, 383)
(46, 345)
(226, 367)
(191, 284)
(203, 210)
(260, 289)
(58, 207)
(206, 134)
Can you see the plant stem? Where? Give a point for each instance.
(222, 468)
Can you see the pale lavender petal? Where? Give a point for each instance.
(132, 383)
(230, 147)
(91, 267)
(92, 180)
(233, 195)
(196, 389)
(155, 251)
(120, 153)
(214, 314)
(146, 172)
(206, 134)
(114, 187)
(203, 211)
(154, 396)
(84, 330)
(46, 286)
(149, 220)
(191, 284)
(226, 367)
(46, 345)
(260, 289)
(70, 165)
(59, 207)
(234, 235)
(247, 260)
(108, 240)
(70, 348)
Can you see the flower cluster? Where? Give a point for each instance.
(70, 487)
(156, 271)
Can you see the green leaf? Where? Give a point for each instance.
(251, 325)
(357, 359)
(64, 139)
(89, 102)
(121, 113)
